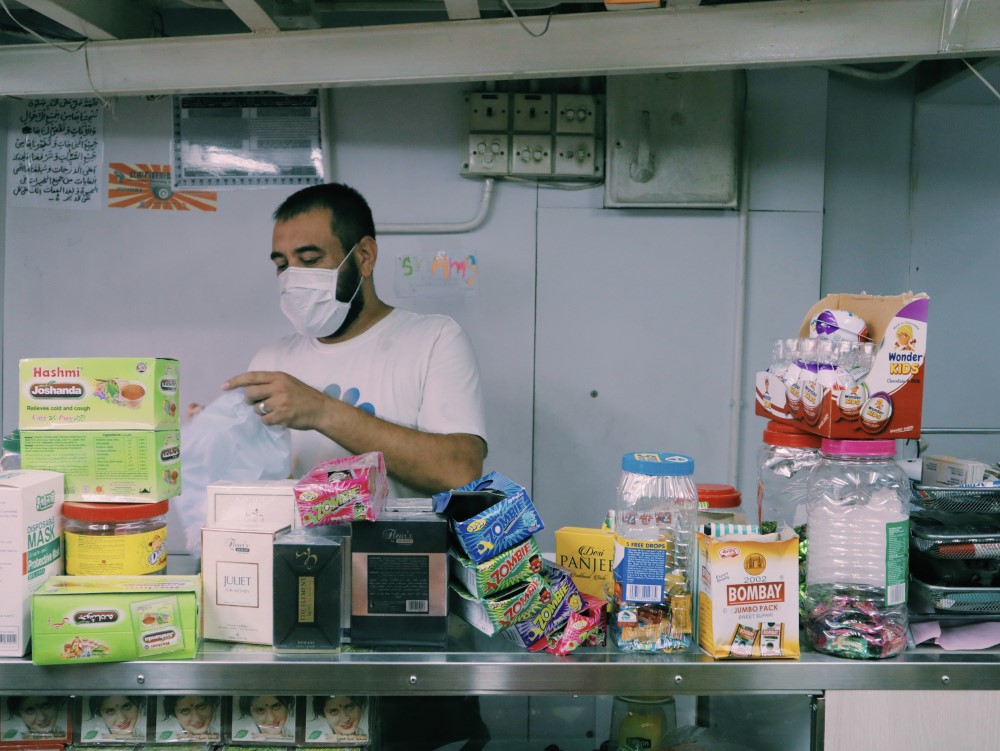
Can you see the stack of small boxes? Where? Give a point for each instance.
(500, 583)
(110, 426)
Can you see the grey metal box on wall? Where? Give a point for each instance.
(673, 139)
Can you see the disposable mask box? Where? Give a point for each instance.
(237, 568)
(399, 579)
(885, 402)
(589, 556)
(108, 466)
(99, 393)
(312, 588)
(261, 503)
(84, 619)
(748, 595)
(30, 548)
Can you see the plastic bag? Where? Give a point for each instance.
(226, 441)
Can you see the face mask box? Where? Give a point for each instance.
(399, 579)
(84, 619)
(886, 402)
(748, 595)
(261, 503)
(237, 568)
(312, 588)
(588, 555)
(108, 466)
(99, 393)
(30, 548)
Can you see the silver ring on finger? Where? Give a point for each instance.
(261, 409)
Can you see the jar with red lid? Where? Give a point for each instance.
(115, 538)
(719, 503)
(786, 458)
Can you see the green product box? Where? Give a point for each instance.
(99, 393)
(108, 466)
(82, 619)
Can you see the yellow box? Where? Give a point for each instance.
(748, 595)
(588, 555)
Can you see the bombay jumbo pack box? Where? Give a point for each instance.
(30, 548)
(885, 403)
(748, 594)
(84, 619)
(108, 466)
(99, 393)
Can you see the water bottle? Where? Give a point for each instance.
(857, 564)
(655, 553)
(11, 457)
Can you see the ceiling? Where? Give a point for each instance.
(123, 47)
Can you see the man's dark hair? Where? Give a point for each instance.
(351, 215)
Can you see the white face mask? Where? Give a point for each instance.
(309, 299)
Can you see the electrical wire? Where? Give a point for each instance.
(548, 20)
(979, 75)
(873, 75)
(84, 45)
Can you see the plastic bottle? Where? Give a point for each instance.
(655, 552)
(857, 564)
(784, 462)
(11, 457)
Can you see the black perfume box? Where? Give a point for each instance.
(399, 578)
(312, 588)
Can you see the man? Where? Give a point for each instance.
(359, 375)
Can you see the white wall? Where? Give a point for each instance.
(641, 306)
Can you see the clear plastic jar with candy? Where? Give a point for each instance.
(655, 553)
(857, 563)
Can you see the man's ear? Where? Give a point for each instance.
(367, 253)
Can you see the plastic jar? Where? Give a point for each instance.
(115, 538)
(784, 462)
(857, 564)
(719, 504)
(655, 553)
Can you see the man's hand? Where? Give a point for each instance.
(280, 399)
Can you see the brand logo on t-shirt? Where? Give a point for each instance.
(350, 396)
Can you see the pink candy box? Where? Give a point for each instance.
(341, 491)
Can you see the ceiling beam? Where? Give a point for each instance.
(257, 15)
(740, 35)
(98, 19)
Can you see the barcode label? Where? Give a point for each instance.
(416, 606)
(643, 593)
(8, 637)
(895, 594)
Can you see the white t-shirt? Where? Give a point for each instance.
(414, 370)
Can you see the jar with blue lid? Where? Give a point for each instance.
(655, 552)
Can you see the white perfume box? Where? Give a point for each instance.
(261, 504)
(237, 568)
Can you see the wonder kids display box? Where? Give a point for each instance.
(30, 548)
(885, 403)
(82, 619)
(99, 393)
(748, 595)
